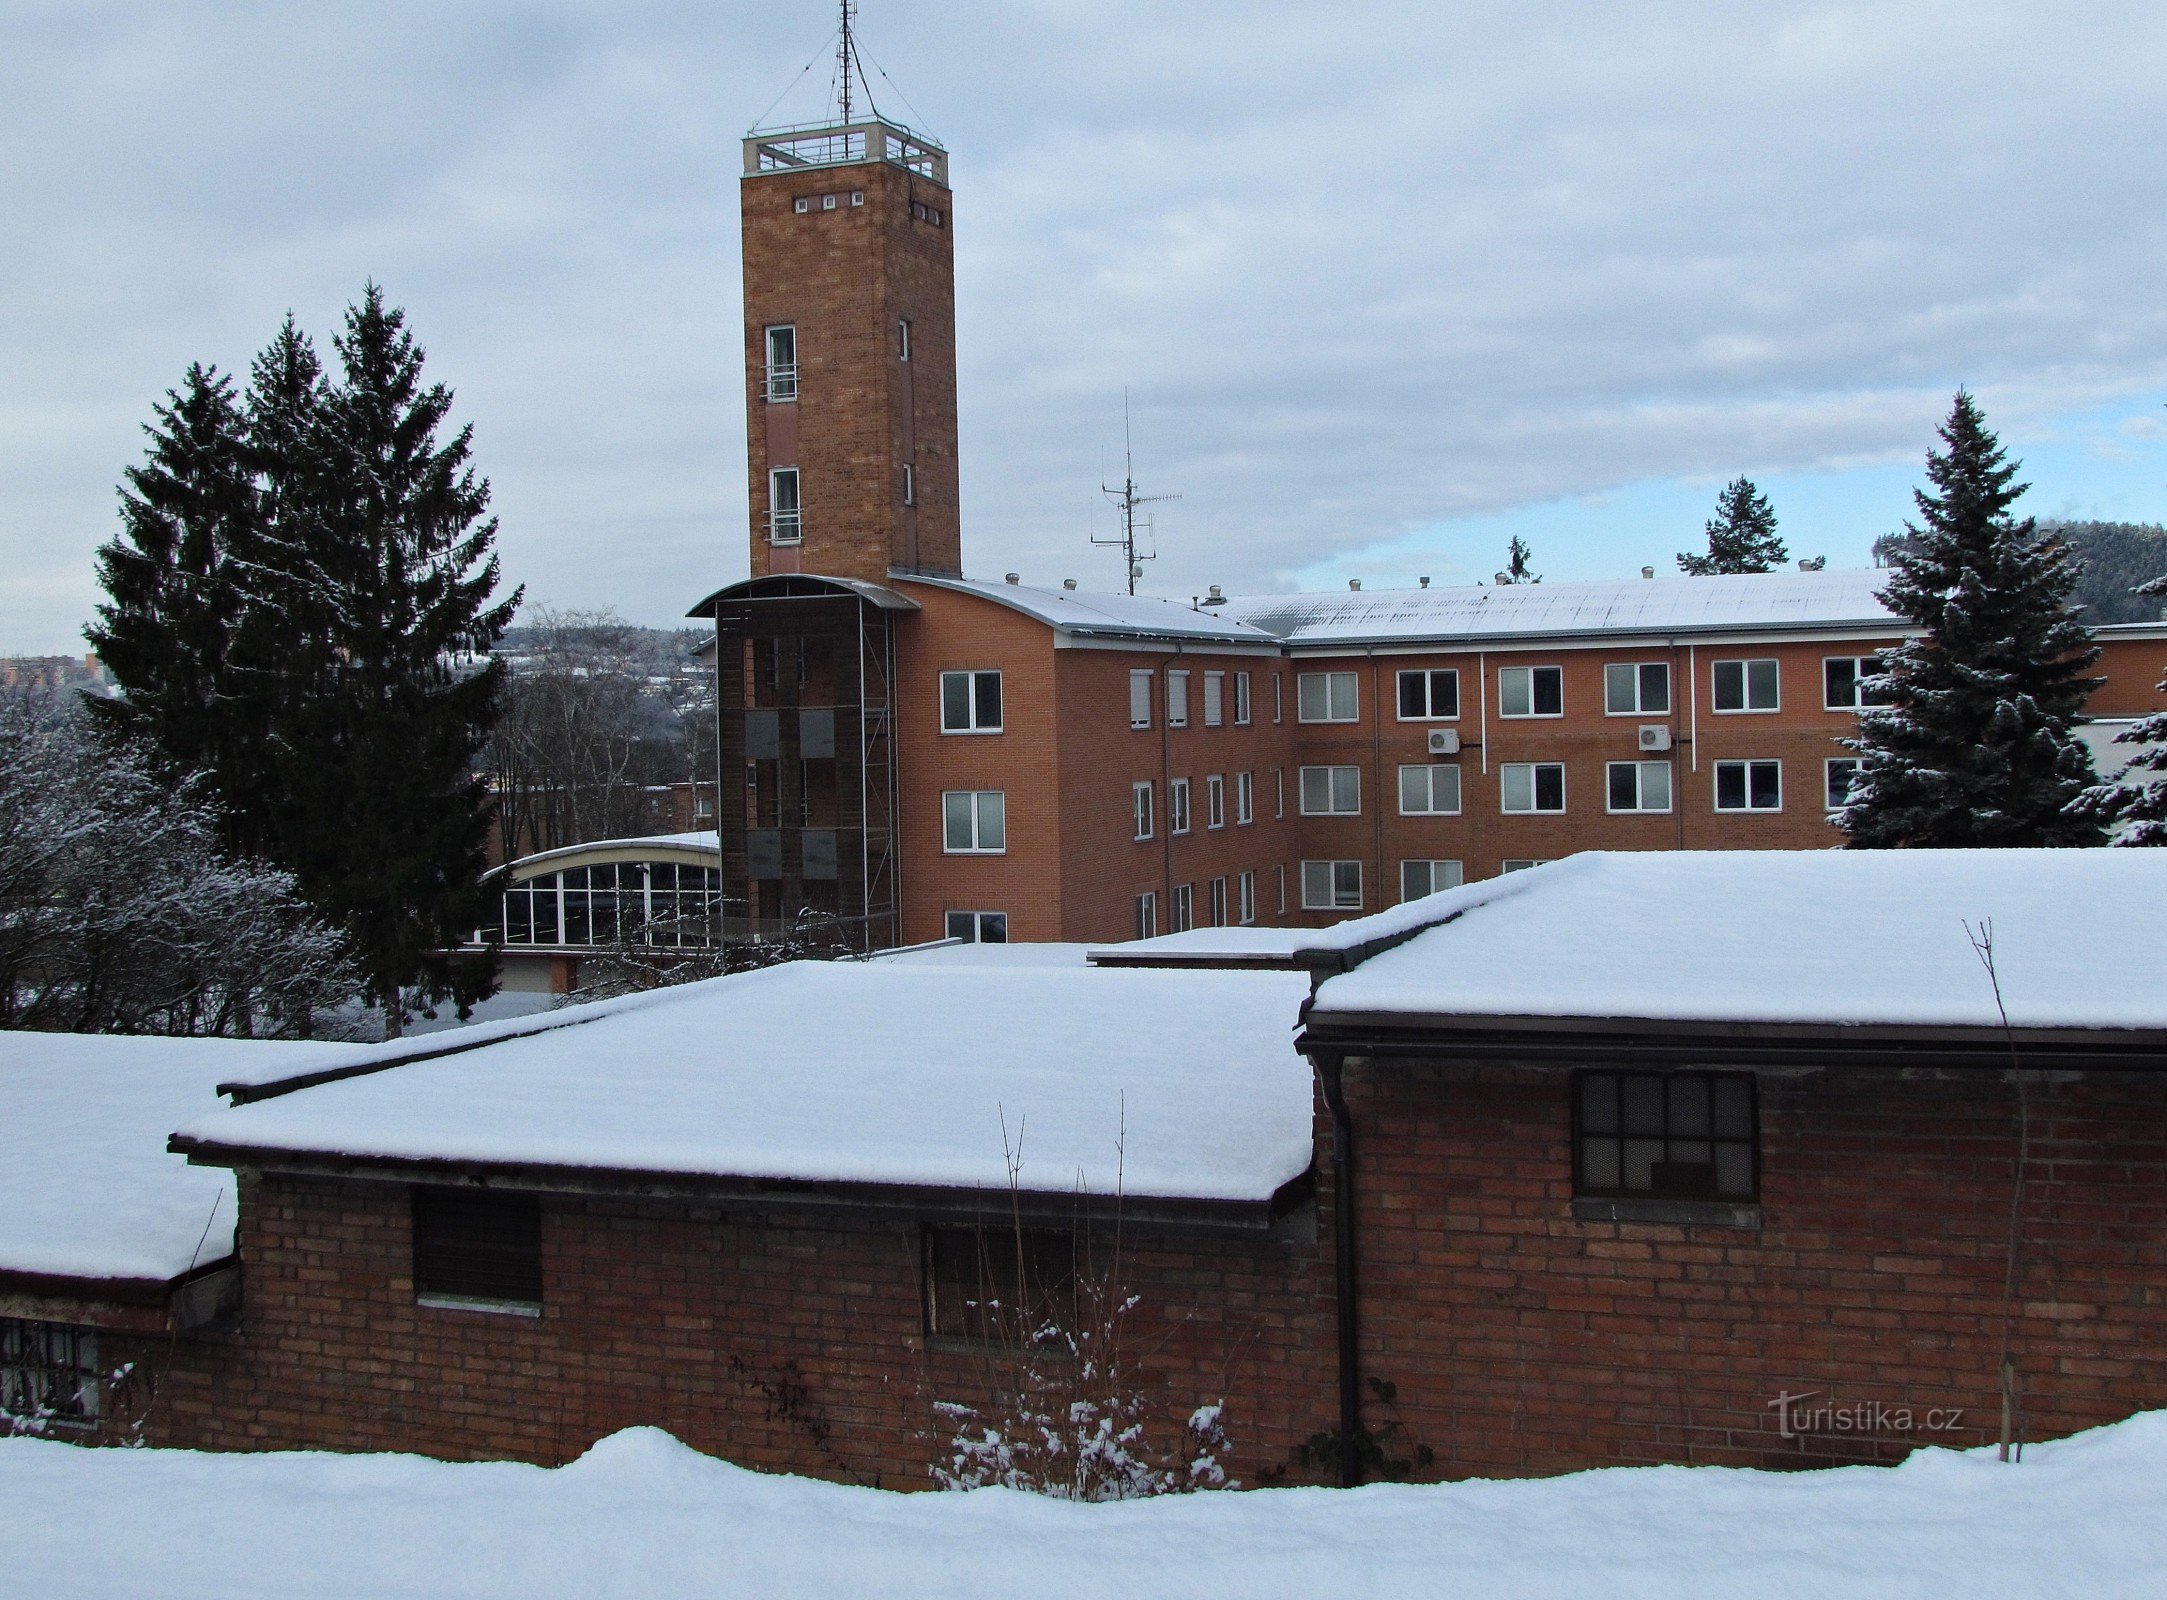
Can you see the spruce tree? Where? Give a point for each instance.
(1517, 556)
(384, 817)
(2136, 801)
(1976, 745)
(1741, 535)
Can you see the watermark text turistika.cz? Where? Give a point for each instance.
(1797, 1415)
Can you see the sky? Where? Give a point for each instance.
(1386, 284)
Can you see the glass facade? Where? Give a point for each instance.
(661, 903)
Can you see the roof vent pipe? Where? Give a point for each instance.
(1647, 572)
(1355, 584)
(1015, 577)
(1503, 580)
(1069, 584)
(1424, 582)
(1217, 597)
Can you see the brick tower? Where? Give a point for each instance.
(850, 352)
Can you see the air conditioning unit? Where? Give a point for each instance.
(1444, 741)
(1654, 736)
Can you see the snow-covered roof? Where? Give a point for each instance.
(1229, 947)
(1119, 616)
(894, 1072)
(1871, 937)
(1755, 602)
(87, 1187)
(705, 841)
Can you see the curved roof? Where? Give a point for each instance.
(699, 843)
(782, 585)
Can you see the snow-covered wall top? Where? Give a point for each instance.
(885, 1072)
(1772, 601)
(87, 1188)
(1113, 615)
(1809, 936)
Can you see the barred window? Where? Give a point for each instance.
(1672, 1136)
(49, 1376)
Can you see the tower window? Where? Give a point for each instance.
(784, 525)
(857, 197)
(827, 202)
(801, 205)
(902, 339)
(910, 485)
(782, 363)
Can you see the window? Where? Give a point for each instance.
(1636, 689)
(1429, 696)
(1531, 691)
(1519, 863)
(978, 927)
(1331, 791)
(1140, 800)
(1215, 801)
(902, 339)
(1672, 1136)
(1279, 792)
(1147, 915)
(1241, 698)
(1749, 786)
(1245, 798)
(1177, 806)
(1326, 697)
(1279, 708)
(478, 1249)
(974, 822)
(49, 1375)
(1525, 786)
(1280, 873)
(999, 1285)
(1139, 699)
(782, 363)
(1639, 785)
(1843, 683)
(1214, 699)
(1331, 886)
(1245, 895)
(1215, 903)
(1177, 699)
(1839, 777)
(785, 525)
(1418, 878)
(910, 485)
(970, 702)
(1184, 907)
(1746, 686)
(1431, 791)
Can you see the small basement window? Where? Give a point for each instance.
(478, 1251)
(999, 1285)
(49, 1375)
(1665, 1136)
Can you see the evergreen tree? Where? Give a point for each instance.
(384, 818)
(2137, 801)
(1516, 563)
(1976, 746)
(1741, 535)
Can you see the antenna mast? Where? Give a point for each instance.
(846, 51)
(1127, 500)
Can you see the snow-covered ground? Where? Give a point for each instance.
(641, 1515)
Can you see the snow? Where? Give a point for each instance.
(706, 841)
(1821, 936)
(962, 953)
(640, 1514)
(1668, 605)
(1257, 945)
(87, 1188)
(895, 1072)
(1076, 611)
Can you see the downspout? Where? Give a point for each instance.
(1343, 1287)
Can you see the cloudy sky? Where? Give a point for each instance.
(1388, 283)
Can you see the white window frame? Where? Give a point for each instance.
(1147, 914)
(1749, 809)
(1341, 793)
(1429, 873)
(974, 675)
(1177, 697)
(1279, 871)
(902, 333)
(1334, 895)
(1214, 699)
(1279, 794)
(1328, 685)
(1745, 666)
(1139, 697)
(785, 524)
(1534, 807)
(1245, 799)
(1241, 699)
(1178, 817)
(1425, 772)
(978, 919)
(1859, 673)
(1428, 675)
(1143, 810)
(1215, 902)
(1631, 672)
(1214, 801)
(910, 485)
(1526, 677)
(1521, 863)
(977, 819)
(1279, 698)
(1184, 917)
(1640, 807)
(781, 383)
(1828, 781)
(1245, 897)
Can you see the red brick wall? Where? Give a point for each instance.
(1522, 1340)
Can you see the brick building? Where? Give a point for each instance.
(921, 754)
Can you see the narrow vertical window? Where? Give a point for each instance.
(1139, 699)
(782, 363)
(1214, 699)
(784, 524)
(1241, 698)
(1147, 915)
(910, 485)
(902, 339)
(1177, 698)
(1140, 802)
